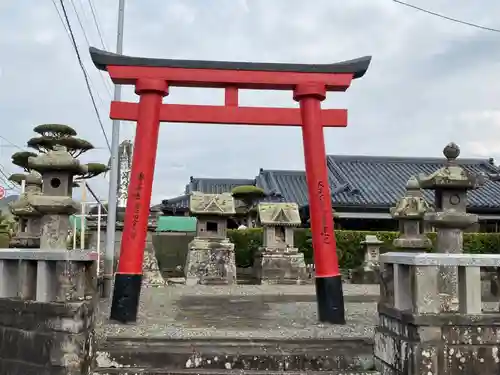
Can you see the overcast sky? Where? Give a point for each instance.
(431, 81)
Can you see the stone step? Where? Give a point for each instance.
(141, 371)
(336, 354)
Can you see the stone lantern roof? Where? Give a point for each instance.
(58, 159)
(452, 175)
(412, 205)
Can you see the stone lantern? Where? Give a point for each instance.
(210, 258)
(368, 272)
(57, 168)
(28, 229)
(279, 261)
(410, 211)
(450, 184)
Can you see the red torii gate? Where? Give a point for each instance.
(152, 79)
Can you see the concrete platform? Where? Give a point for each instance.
(239, 329)
(280, 312)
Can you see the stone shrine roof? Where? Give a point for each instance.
(279, 214)
(211, 204)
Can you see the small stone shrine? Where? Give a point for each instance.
(410, 211)
(28, 228)
(368, 272)
(450, 184)
(210, 258)
(278, 261)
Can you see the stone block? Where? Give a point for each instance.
(280, 267)
(361, 275)
(409, 344)
(46, 338)
(210, 261)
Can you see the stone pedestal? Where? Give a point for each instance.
(416, 335)
(278, 261)
(280, 267)
(210, 261)
(368, 272)
(151, 272)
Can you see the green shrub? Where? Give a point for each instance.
(349, 244)
(246, 243)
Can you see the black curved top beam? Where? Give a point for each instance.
(102, 59)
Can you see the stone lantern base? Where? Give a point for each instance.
(210, 261)
(24, 241)
(366, 274)
(279, 266)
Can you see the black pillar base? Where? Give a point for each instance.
(330, 299)
(126, 298)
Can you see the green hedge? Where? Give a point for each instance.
(349, 247)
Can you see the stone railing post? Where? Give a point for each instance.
(417, 335)
(410, 211)
(368, 272)
(47, 309)
(450, 184)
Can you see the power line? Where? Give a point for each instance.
(82, 27)
(96, 22)
(446, 17)
(84, 71)
(61, 19)
(10, 143)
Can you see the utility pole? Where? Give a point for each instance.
(109, 256)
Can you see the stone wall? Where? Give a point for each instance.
(418, 333)
(46, 338)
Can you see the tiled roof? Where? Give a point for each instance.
(290, 186)
(180, 202)
(354, 181)
(216, 185)
(380, 181)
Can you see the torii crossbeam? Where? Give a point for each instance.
(152, 79)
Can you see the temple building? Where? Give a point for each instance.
(364, 188)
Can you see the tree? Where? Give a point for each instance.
(249, 195)
(93, 169)
(75, 146)
(55, 131)
(21, 159)
(17, 178)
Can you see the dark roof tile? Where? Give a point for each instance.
(216, 185)
(290, 185)
(380, 181)
(180, 202)
(355, 180)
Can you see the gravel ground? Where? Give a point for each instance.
(272, 312)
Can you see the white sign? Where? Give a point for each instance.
(2, 192)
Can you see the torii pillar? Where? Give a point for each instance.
(152, 79)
